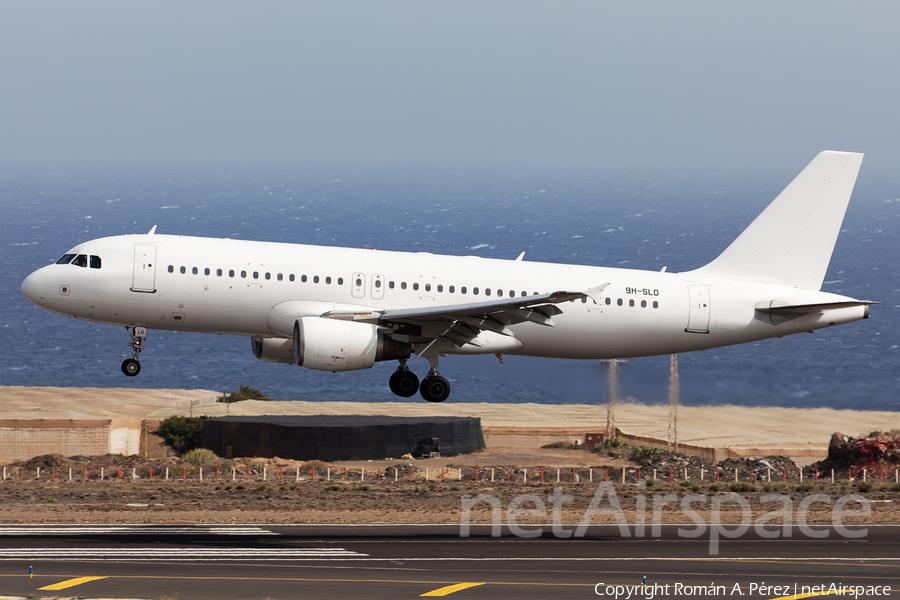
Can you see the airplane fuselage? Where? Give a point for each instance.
(235, 287)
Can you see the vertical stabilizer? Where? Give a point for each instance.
(792, 240)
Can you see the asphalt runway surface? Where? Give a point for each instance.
(408, 561)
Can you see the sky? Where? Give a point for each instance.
(599, 85)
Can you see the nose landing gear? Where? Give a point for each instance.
(132, 366)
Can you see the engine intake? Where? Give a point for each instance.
(333, 345)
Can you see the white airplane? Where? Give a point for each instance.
(342, 309)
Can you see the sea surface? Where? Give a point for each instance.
(633, 220)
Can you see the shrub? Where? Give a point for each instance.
(650, 482)
(199, 456)
(740, 486)
(688, 482)
(318, 465)
(363, 488)
(615, 442)
(865, 486)
(181, 434)
(804, 487)
(715, 487)
(645, 452)
(244, 392)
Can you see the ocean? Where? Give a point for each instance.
(633, 220)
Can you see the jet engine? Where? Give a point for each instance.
(335, 345)
(276, 350)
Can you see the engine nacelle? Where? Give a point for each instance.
(276, 350)
(334, 345)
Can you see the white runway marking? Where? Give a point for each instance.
(180, 554)
(12, 530)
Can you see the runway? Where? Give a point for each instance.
(408, 561)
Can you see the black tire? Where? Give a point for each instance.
(404, 383)
(435, 388)
(131, 367)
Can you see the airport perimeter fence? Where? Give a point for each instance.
(683, 476)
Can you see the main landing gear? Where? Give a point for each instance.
(433, 388)
(132, 366)
(404, 382)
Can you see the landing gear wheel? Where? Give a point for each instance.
(131, 367)
(435, 388)
(404, 383)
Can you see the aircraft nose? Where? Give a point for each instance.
(34, 288)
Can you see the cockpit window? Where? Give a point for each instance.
(66, 259)
(95, 262)
(81, 260)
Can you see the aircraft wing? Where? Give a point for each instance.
(465, 321)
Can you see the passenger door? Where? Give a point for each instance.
(144, 269)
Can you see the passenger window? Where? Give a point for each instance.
(451, 289)
(303, 278)
(231, 272)
(244, 274)
(219, 272)
(268, 276)
(512, 294)
(391, 284)
(328, 281)
(340, 281)
(403, 285)
(643, 304)
(631, 303)
(171, 269)
(415, 286)
(462, 289)
(255, 274)
(95, 262)
(358, 282)
(609, 300)
(80, 260)
(584, 300)
(619, 302)
(524, 294)
(67, 258)
(655, 304)
(487, 291)
(499, 292)
(427, 287)
(206, 271)
(377, 284)
(291, 277)
(194, 271)
(316, 279)
(440, 288)
(280, 277)
(183, 270)
(475, 291)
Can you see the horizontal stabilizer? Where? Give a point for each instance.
(783, 308)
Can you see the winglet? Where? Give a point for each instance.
(594, 293)
(152, 230)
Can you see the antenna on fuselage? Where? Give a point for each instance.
(152, 230)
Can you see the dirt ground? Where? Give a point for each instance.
(268, 490)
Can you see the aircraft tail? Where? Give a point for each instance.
(792, 240)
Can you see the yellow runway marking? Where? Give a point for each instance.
(799, 596)
(446, 591)
(70, 583)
